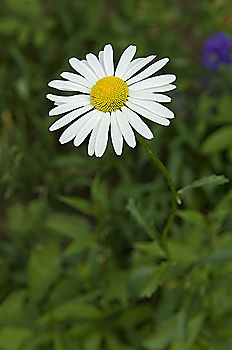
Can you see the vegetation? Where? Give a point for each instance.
(81, 263)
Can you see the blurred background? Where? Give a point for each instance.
(78, 267)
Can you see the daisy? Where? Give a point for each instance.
(111, 100)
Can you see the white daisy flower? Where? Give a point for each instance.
(111, 100)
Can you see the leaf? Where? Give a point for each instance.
(43, 269)
(67, 225)
(219, 140)
(93, 341)
(165, 332)
(117, 286)
(194, 328)
(217, 256)
(150, 248)
(224, 108)
(58, 345)
(114, 343)
(155, 281)
(11, 338)
(182, 252)
(82, 205)
(134, 315)
(82, 241)
(193, 217)
(205, 181)
(100, 196)
(140, 219)
(73, 308)
(11, 309)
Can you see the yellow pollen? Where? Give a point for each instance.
(109, 94)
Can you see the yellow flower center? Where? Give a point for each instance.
(109, 94)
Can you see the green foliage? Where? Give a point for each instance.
(206, 181)
(82, 266)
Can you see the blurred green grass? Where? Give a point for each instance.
(78, 269)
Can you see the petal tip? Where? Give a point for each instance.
(150, 136)
(50, 128)
(72, 60)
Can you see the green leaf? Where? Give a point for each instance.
(224, 108)
(140, 219)
(11, 338)
(217, 256)
(12, 309)
(114, 343)
(83, 240)
(205, 181)
(58, 344)
(159, 339)
(155, 281)
(43, 269)
(82, 205)
(194, 327)
(73, 308)
(219, 140)
(117, 286)
(93, 341)
(134, 315)
(68, 225)
(182, 252)
(150, 248)
(193, 217)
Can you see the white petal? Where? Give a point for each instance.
(82, 68)
(124, 61)
(93, 136)
(137, 123)
(153, 82)
(116, 135)
(68, 86)
(66, 107)
(73, 129)
(101, 60)
(161, 98)
(163, 88)
(95, 65)
(147, 114)
(94, 117)
(148, 71)
(135, 68)
(68, 118)
(135, 62)
(109, 60)
(76, 79)
(102, 135)
(67, 99)
(125, 128)
(153, 107)
(146, 95)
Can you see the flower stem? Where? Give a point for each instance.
(175, 197)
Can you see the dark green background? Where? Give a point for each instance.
(78, 268)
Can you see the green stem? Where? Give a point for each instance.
(175, 198)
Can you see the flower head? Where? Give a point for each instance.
(110, 99)
(217, 50)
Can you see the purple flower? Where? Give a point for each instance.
(217, 49)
